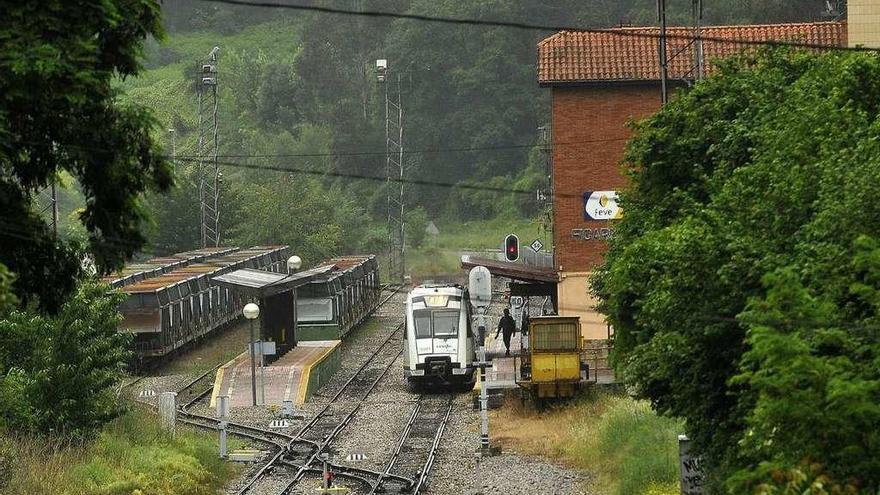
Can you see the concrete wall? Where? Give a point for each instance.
(863, 23)
(589, 136)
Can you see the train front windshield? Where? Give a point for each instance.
(440, 324)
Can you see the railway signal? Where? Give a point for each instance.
(511, 247)
(480, 285)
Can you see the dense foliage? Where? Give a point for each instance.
(57, 373)
(742, 283)
(298, 91)
(59, 112)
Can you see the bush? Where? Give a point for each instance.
(641, 446)
(629, 448)
(742, 282)
(58, 372)
(416, 223)
(131, 455)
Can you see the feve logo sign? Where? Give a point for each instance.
(601, 205)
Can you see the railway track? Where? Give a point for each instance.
(317, 436)
(416, 449)
(300, 453)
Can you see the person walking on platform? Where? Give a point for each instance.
(507, 326)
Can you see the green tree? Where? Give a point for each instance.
(58, 372)
(416, 223)
(59, 112)
(736, 276)
(7, 299)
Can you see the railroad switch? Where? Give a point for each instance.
(327, 479)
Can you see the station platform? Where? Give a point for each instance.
(504, 369)
(293, 377)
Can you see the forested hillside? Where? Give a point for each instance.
(298, 91)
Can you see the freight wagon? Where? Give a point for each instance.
(155, 267)
(168, 310)
(337, 301)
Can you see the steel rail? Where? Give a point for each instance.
(298, 438)
(432, 455)
(397, 449)
(348, 382)
(212, 424)
(252, 433)
(404, 436)
(360, 474)
(327, 441)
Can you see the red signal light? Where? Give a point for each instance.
(511, 247)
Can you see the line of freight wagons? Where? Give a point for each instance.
(171, 301)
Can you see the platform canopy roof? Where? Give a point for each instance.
(511, 270)
(261, 283)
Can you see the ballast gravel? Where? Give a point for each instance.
(374, 431)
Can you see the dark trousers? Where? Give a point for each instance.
(507, 337)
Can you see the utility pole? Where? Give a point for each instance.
(209, 169)
(661, 52)
(697, 16)
(394, 170)
(547, 196)
(173, 132)
(47, 201)
(697, 63)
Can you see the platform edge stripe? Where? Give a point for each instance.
(218, 379)
(302, 393)
(218, 383)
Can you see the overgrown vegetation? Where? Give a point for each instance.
(131, 455)
(742, 283)
(59, 114)
(440, 254)
(299, 93)
(629, 448)
(57, 373)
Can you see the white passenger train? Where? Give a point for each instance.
(439, 343)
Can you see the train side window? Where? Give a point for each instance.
(446, 323)
(422, 320)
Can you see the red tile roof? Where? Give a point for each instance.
(616, 55)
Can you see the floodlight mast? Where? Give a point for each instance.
(209, 176)
(394, 170)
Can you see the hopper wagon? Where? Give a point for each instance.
(338, 300)
(171, 309)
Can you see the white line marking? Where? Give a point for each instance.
(289, 383)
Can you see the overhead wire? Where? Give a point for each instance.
(627, 32)
(468, 149)
(382, 178)
(631, 33)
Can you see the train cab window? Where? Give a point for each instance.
(422, 320)
(446, 323)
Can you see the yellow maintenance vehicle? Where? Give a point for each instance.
(551, 364)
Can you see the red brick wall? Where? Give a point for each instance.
(589, 136)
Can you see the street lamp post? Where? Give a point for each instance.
(251, 311)
(293, 264)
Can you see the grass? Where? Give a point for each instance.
(441, 256)
(629, 449)
(486, 234)
(218, 347)
(132, 455)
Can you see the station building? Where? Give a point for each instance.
(599, 82)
